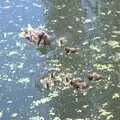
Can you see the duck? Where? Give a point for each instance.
(62, 41)
(49, 81)
(68, 78)
(76, 83)
(70, 50)
(36, 36)
(94, 76)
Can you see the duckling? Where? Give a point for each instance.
(68, 78)
(53, 78)
(70, 50)
(49, 81)
(94, 76)
(77, 83)
(62, 41)
(36, 37)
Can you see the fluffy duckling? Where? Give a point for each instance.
(94, 76)
(68, 78)
(62, 41)
(49, 81)
(70, 50)
(36, 37)
(76, 83)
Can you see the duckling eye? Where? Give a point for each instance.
(27, 37)
(26, 32)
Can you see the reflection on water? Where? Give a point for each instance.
(93, 27)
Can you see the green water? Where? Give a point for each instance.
(91, 26)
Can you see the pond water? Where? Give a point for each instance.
(91, 26)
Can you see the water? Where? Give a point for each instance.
(93, 27)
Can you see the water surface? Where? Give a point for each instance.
(91, 26)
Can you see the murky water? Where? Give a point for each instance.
(91, 26)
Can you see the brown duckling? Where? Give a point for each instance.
(36, 37)
(68, 78)
(78, 84)
(94, 76)
(49, 81)
(70, 50)
(62, 41)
